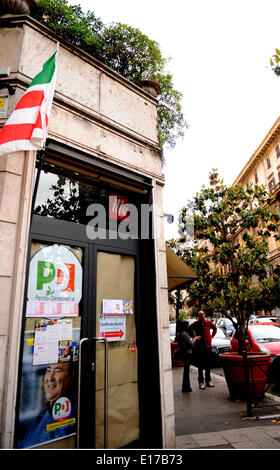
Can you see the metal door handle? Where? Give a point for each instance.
(96, 339)
(79, 391)
(104, 340)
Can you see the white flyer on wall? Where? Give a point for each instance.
(48, 335)
(52, 309)
(112, 306)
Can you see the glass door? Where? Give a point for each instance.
(79, 368)
(115, 323)
(47, 402)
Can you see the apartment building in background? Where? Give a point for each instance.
(263, 168)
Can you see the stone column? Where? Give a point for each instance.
(16, 188)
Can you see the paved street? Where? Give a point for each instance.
(207, 419)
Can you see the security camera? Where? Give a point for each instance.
(169, 218)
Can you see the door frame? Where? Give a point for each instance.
(46, 229)
(100, 248)
(53, 231)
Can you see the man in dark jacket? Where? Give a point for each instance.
(203, 328)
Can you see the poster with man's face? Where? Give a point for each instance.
(48, 393)
(48, 401)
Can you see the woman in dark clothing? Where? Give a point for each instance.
(185, 343)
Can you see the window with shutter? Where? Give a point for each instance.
(268, 163)
(271, 184)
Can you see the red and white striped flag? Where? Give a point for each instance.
(26, 128)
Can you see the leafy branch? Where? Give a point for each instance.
(275, 62)
(124, 49)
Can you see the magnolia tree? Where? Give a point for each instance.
(229, 251)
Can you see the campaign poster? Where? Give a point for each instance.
(112, 327)
(55, 283)
(48, 397)
(49, 373)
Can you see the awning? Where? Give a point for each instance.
(179, 273)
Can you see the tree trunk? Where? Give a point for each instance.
(242, 333)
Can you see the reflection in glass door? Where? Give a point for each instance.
(115, 321)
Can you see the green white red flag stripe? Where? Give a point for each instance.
(26, 128)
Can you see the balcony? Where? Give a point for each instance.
(275, 189)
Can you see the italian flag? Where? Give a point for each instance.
(26, 128)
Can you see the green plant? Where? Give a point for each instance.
(126, 50)
(174, 298)
(183, 316)
(275, 62)
(229, 253)
(81, 29)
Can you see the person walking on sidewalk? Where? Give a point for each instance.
(203, 327)
(185, 343)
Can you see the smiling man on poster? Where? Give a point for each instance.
(58, 417)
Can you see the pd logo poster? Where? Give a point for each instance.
(55, 276)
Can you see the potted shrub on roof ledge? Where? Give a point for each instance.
(229, 253)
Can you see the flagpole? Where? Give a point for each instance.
(40, 155)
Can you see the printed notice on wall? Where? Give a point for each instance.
(4, 100)
(112, 306)
(49, 338)
(112, 327)
(127, 306)
(117, 307)
(52, 309)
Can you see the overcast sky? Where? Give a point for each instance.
(220, 52)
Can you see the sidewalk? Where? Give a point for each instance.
(208, 419)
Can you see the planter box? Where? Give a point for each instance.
(233, 365)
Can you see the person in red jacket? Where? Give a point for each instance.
(206, 330)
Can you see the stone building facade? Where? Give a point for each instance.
(102, 141)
